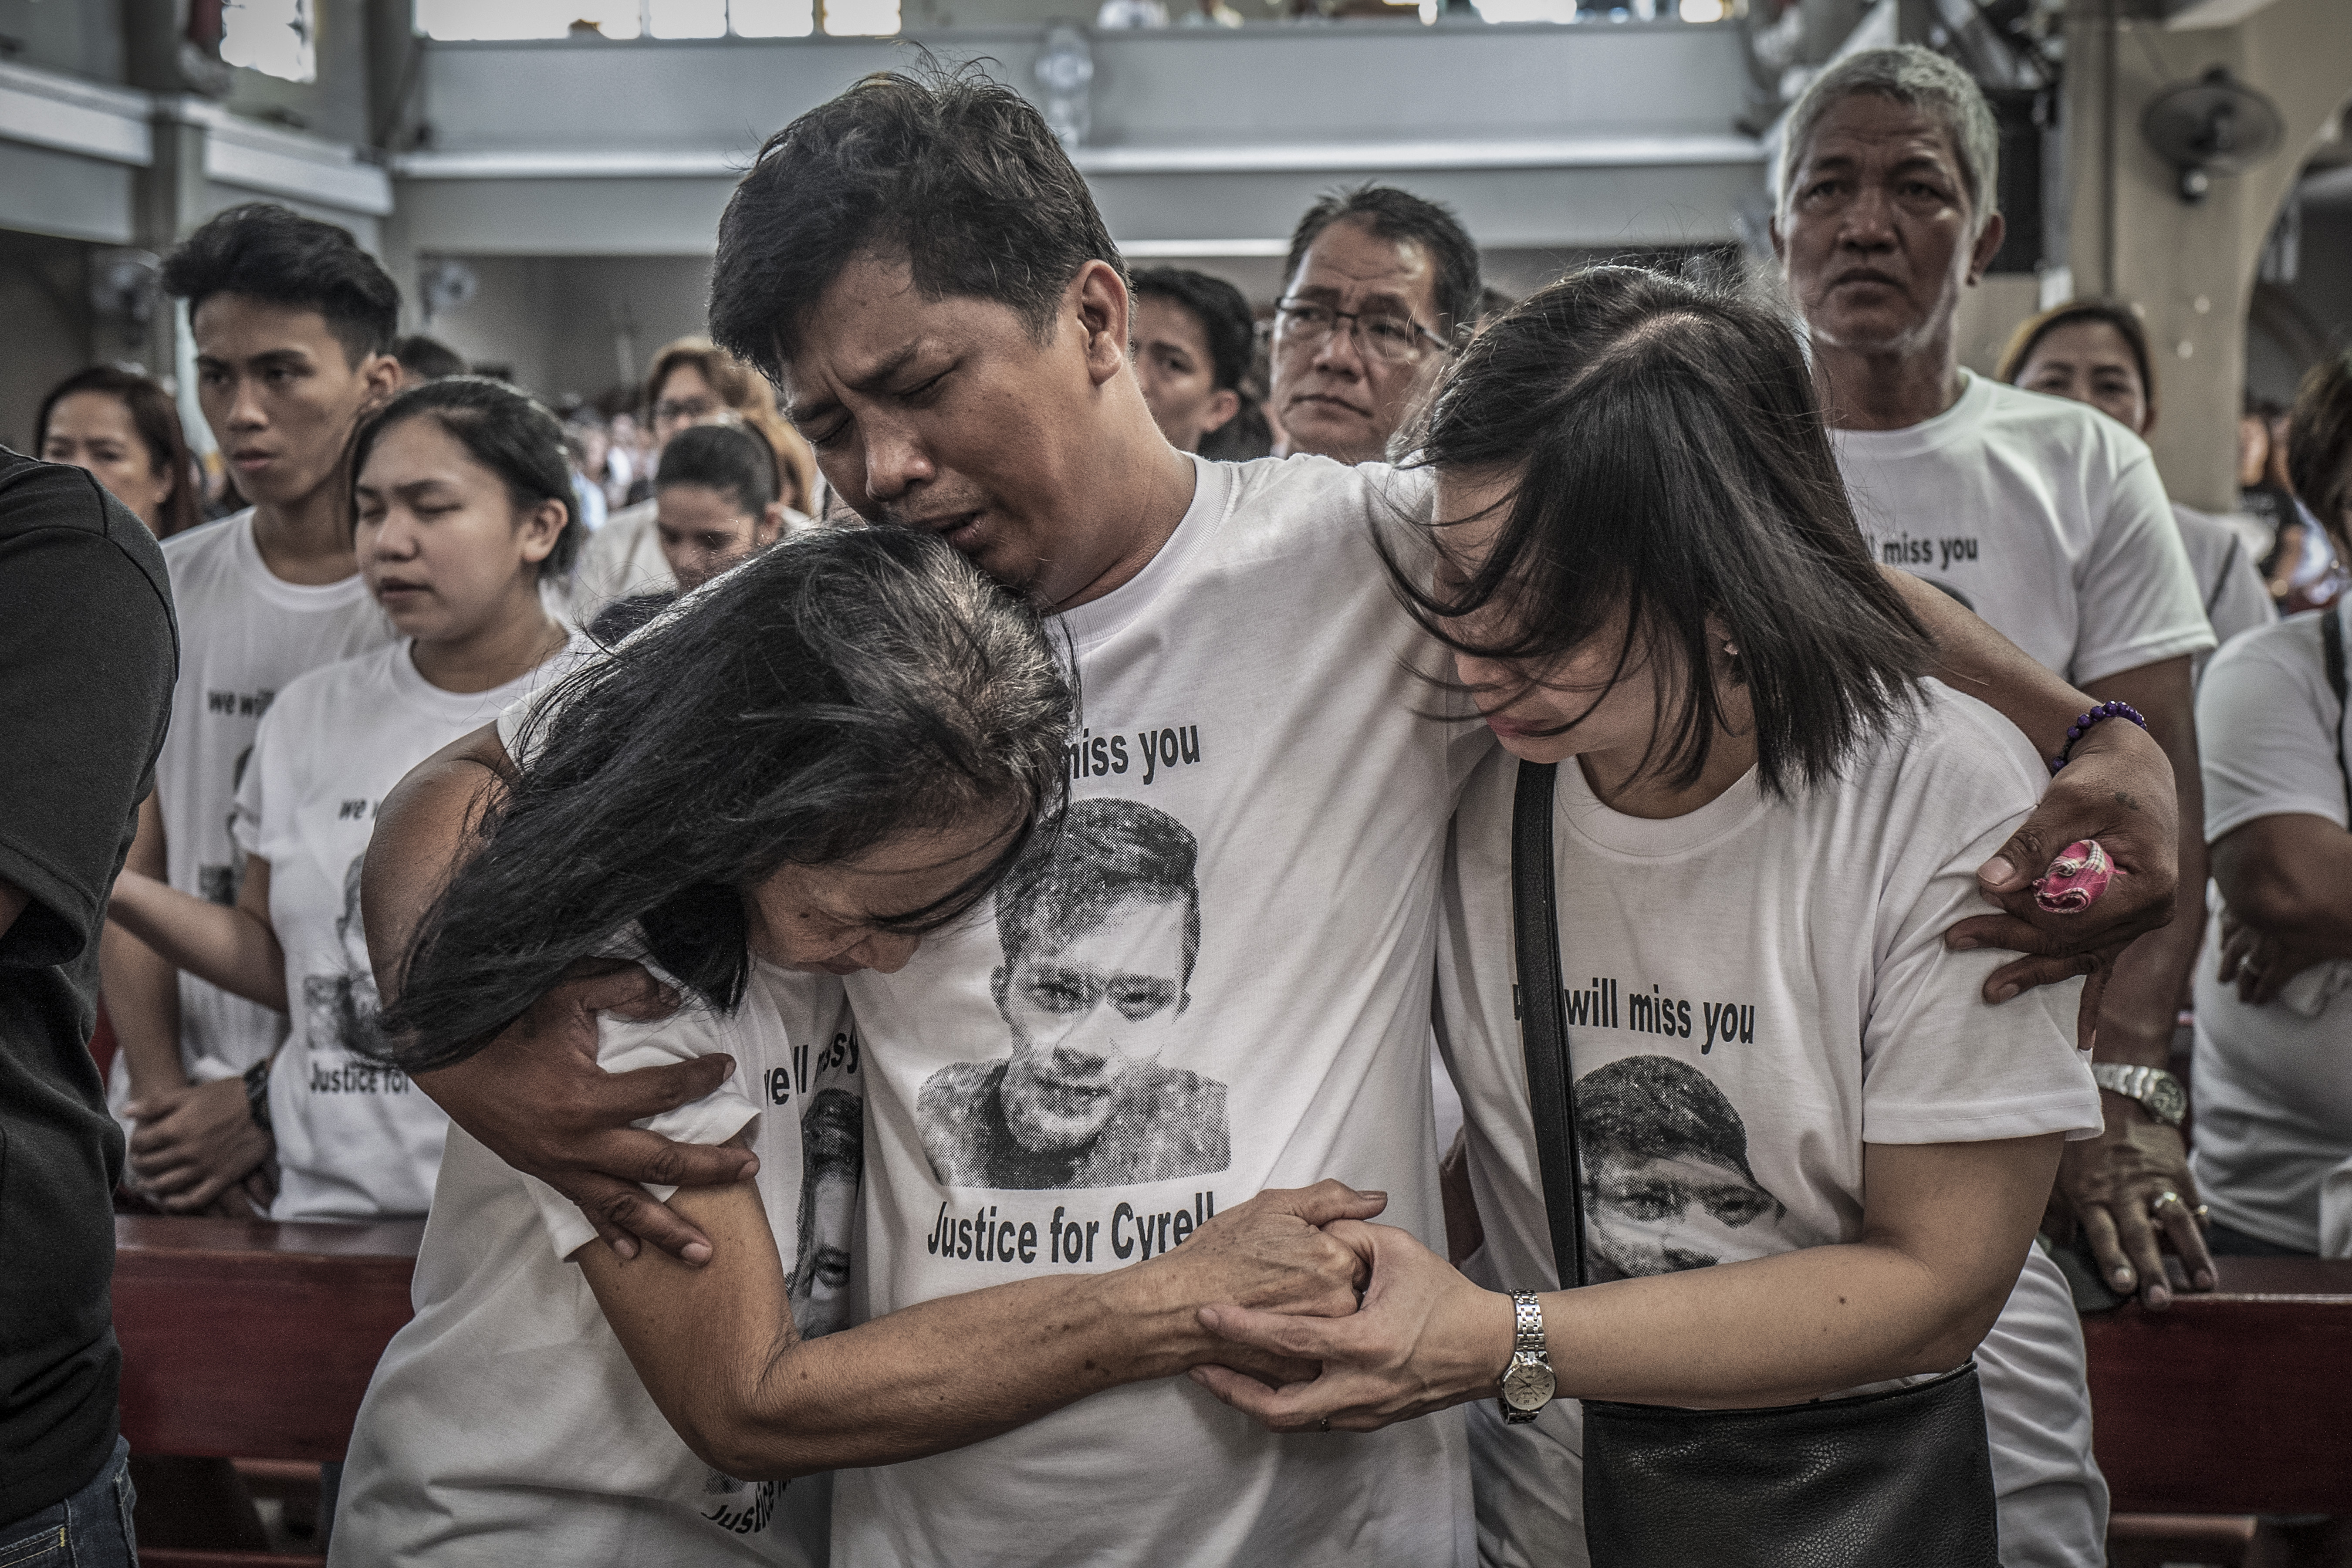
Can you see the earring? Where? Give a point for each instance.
(1730, 650)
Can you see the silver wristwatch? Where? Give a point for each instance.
(2158, 1091)
(1527, 1382)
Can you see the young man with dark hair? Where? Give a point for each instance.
(294, 328)
(922, 271)
(424, 359)
(1379, 285)
(86, 660)
(1193, 334)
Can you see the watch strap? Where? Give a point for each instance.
(257, 1093)
(2155, 1091)
(1528, 1350)
(1527, 1324)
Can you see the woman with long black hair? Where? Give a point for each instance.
(1812, 1155)
(830, 752)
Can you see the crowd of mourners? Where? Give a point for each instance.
(952, 916)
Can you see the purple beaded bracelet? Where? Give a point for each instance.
(2076, 730)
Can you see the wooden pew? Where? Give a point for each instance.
(2225, 1405)
(247, 1339)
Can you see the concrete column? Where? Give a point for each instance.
(167, 201)
(2189, 270)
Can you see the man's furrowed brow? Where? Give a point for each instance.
(868, 381)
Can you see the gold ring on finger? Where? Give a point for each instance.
(2161, 1199)
(2201, 1214)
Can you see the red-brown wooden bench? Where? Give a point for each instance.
(247, 1339)
(250, 1340)
(2223, 1406)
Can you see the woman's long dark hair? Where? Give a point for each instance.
(156, 419)
(845, 687)
(1669, 462)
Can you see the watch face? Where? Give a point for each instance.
(2166, 1102)
(1528, 1385)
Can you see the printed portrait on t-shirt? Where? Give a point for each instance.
(1100, 930)
(342, 1008)
(221, 884)
(1667, 1180)
(832, 1164)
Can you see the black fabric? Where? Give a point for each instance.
(1543, 1027)
(88, 654)
(1874, 1479)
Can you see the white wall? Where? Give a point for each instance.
(555, 320)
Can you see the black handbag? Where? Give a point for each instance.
(1897, 1479)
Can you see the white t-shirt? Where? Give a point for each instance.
(2229, 581)
(1249, 738)
(1755, 989)
(622, 558)
(245, 636)
(2273, 1083)
(355, 1139)
(505, 1426)
(2043, 515)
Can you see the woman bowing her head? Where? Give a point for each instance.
(1813, 1157)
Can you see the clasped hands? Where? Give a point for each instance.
(196, 1150)
(1424, 1338)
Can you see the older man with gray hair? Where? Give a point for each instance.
(2049, 522)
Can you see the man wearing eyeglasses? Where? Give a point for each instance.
(1378, 285)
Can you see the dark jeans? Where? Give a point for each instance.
(90, 1529)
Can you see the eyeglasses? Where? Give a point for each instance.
(690, 408)
(1382, 335)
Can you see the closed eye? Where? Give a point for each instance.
(925, 392)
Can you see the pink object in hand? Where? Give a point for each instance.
(2075, 880)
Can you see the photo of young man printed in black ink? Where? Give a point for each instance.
(833, 1164)
(342, 1008)
(1099, 937)
(1667, 1183)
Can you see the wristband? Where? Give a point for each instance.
(2081, 726)
(257, 1093)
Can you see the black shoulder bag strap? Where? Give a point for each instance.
(1543, 1016)
(2331, 636)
